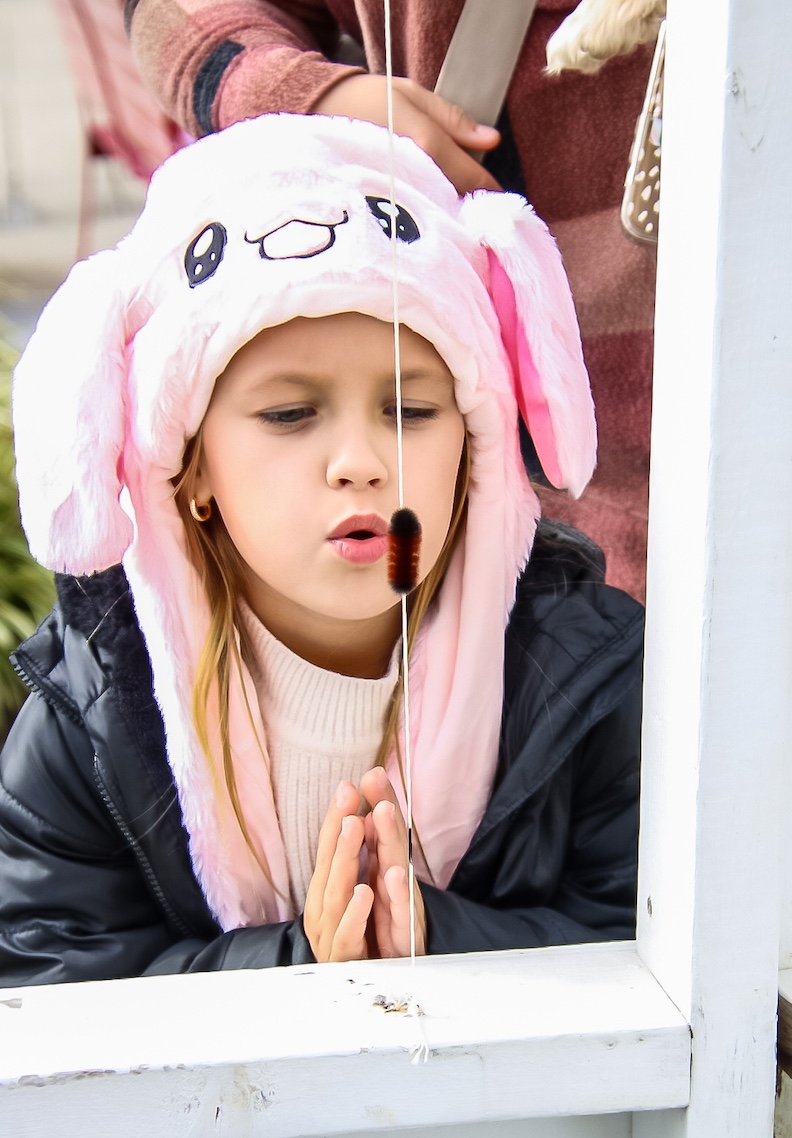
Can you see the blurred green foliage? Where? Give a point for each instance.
(26, 590)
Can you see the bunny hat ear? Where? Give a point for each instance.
(69, 413)
(533, 304)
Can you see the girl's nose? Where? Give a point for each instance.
(356, 462)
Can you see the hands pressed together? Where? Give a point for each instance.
(347, 920)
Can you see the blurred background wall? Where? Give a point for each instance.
(58, 199)
(46, 177)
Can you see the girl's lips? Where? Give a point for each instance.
(361, 551)
(371, 524)
(361, 539)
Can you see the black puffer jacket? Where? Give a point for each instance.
(95, 875)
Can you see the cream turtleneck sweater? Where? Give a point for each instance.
(321, 728)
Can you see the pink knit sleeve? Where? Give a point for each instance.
(213, 62)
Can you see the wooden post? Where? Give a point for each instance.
(718, 708)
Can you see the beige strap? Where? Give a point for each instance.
(482, 55)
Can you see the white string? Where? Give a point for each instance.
(400, 470)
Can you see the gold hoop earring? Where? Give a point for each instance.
(200, 513)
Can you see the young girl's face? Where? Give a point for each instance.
(299, 454)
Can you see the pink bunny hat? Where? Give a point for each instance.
(274, 218)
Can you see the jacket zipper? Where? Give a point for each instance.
(52, 697)
(139, 852)
(50, 694)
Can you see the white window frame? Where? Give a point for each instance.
(580, 1032)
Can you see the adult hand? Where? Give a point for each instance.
(337, 908)
(444, 131)
(386, 838)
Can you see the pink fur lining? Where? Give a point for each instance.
(528, 387)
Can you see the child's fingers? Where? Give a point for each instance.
(371, 835)
(381, 915)
(387, 836)
(386, 830)
(332, 885)
(396, 941)
(344, 869)
(349, 941)
(396, 885)
(391, 836)
(376, 787)
(342, 878)
(376, 884)
(346, 801)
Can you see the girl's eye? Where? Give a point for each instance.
(414, 414)
(288, 417)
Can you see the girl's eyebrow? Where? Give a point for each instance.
(437, 376)
(292, 379)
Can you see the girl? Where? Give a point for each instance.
(210, 773)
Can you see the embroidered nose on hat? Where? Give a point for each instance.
(296, 239)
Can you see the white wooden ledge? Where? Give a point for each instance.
(307, 1050)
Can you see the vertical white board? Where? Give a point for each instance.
(718, 712)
